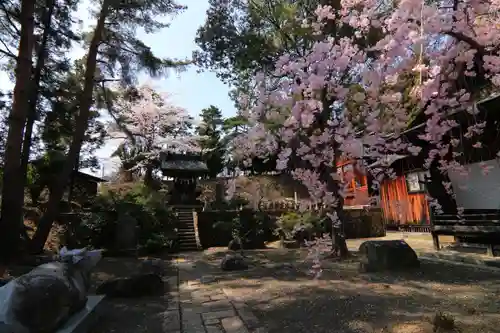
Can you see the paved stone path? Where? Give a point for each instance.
(206, 308)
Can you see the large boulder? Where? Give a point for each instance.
(233, 262)
(155, 266)
(140, 285)
(43, 299)
(387, 255)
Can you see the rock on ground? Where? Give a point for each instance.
(154, 266)
(135, 286)
(387, 255)
(233, 262)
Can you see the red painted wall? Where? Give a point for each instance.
(401, 207)
(357, 188)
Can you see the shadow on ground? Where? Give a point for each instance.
(286, 299)
(148, 314)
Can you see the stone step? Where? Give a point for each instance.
(188, 246)
(184, 236)
(187, 241)
(188, 229)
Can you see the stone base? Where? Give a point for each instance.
(81, 322)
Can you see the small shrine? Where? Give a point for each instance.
(185, 169)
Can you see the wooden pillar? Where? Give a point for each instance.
(435, 241)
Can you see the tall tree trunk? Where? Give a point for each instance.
(148, 176)
(35, 85)
(82, 120)
(12, 208)
(339, 245)
(72, 182)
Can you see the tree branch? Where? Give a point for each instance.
(8, 13)
(8, 54)
(109, 106)
(7, 51)
(463, 38)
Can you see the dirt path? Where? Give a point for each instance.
(285, 299)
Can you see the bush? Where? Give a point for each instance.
(364, 223)
(218, 228)
(299, 226)
(155, 221)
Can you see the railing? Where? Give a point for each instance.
(481, 227)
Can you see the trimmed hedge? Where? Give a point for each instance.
(364, 223)
(215, 228)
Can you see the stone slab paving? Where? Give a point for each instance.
(206, 308)
(171, 318)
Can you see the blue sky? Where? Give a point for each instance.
(191, 90)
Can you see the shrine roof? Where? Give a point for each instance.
(184, 165)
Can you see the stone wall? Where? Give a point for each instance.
(364, 223)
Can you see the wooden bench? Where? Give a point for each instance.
(474, 227)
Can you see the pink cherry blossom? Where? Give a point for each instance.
(442, 45)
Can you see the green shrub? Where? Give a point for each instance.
(299, 226)
(217, 228)
(156, 222)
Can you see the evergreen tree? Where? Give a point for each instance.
(114, 54)
(210, 131)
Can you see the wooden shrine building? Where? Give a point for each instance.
(185, 170)
(404, 199)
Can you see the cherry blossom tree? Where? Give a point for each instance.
(451, 45)
(148, 124)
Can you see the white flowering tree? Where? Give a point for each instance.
(148, 124)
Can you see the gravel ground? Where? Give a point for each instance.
(342, 300)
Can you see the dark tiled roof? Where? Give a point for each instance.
(180, 165)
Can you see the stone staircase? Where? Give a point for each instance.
(188, 240)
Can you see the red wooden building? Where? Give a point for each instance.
(404, 200)
(356, 181)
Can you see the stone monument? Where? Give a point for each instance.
(46, 297)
